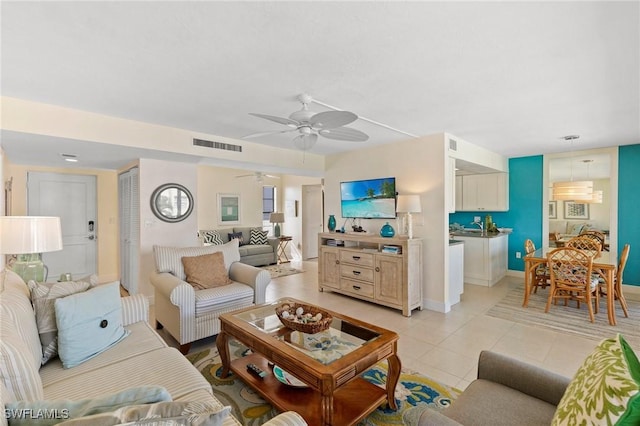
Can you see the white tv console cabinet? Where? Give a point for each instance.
(361, 269)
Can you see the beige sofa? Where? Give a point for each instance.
(142, 358)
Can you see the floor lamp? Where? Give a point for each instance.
(409, 204)
(28, 237)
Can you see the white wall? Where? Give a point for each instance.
(292, 191)
(153, 231)
(419, 166)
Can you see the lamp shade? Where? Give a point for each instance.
(29, 234)
(409, 204)
(276, 218)
(573, 190)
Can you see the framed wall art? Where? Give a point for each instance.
(553, 209)
(576, 210)
(229, 209)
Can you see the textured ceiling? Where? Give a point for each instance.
(513, 77)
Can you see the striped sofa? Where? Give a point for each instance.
(143, 358)
(190, 315)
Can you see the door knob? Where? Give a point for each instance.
(91, 237)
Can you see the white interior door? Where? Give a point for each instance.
(73, 199)
(129, 208)
(311, 220)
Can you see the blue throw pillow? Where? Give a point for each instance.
(89, 323)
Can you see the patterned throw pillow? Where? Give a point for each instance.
(206, 271)
(258, 237)
(43, 297)
(211, 237)
(237, 236)
(605, 389)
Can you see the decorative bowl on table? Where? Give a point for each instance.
(305, 318)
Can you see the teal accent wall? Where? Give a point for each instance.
(629, 209)
(525, 207)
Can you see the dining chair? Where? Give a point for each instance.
(596, 235)
(583, 242)
(617, 280)
(571, 278)
(541, 278)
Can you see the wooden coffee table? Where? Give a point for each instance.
(336, 394)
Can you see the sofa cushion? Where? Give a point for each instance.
(17, 370)
(69, 409)
(206, 271)
(483, 402)
(43, 297)
(89, 323)
(250, 250)
(258, 237)
(162, 413)
(605, 389)
(215, 299)
(169, 259)
(211, 237)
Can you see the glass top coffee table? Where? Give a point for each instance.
(329, 363)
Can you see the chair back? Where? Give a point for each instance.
(570, 268)
(596, 235)
(582, 242)
(529, 247)
(622, 262)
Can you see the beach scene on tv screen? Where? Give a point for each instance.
(374, 198)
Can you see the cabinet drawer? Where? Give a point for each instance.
(356, 272)
(357, 287)
(356, 258)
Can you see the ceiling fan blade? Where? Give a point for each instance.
(332, 119)
(271, 176)
(252, 174)
(273, 132)
(281, 120)
(344, 134)
(305, 141)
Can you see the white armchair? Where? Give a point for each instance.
(189, 314)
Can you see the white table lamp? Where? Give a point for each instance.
(276, 218)
(409, 204)
(28, 237)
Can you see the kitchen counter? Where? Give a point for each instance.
(479, 234)
(454, 242)
(485, 256)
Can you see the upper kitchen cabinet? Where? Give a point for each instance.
(482, 192)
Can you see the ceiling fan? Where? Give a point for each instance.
(329, 124)
(259, 176)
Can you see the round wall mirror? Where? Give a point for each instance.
(171, 202)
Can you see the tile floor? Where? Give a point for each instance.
(444, 347)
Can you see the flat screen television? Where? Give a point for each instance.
(369, 199)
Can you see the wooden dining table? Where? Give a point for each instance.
(603, 264)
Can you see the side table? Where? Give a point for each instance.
(282, 246)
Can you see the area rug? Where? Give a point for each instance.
(413, 389)
(281, 270)
(569, 319)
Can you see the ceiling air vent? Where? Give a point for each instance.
(217, 145)
(453, 145)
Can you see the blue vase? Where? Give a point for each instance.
(332, 223)
(387, 231)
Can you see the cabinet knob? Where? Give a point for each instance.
(356, 257)
(356, 287)
(337, 262)
(377, 269)
(356, 272)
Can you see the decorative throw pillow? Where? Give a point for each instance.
(206, 271)
(162, 413)
(64, 409)
(89, 323)
(258, 236)
(169, 259)
(605, 390)
(237, 236)
(43, 297)
(211, 237)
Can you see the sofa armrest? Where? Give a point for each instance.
(288, 418)
(526, 378)
(426, 417)
(135, 309)
(254, 277)
(274, 242)
(179, 292)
